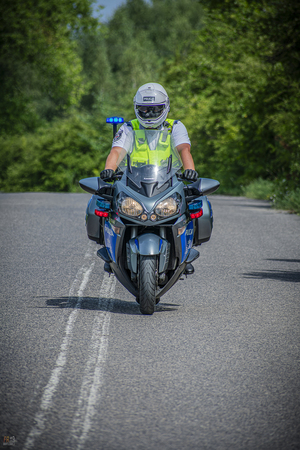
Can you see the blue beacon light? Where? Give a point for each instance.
(115, 121)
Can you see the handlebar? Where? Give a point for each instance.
(180, 176)
(116, 176)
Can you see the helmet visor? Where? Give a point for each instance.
(150, 111)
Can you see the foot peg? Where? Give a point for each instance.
(189, 270)
(107, 267)
(103, 254)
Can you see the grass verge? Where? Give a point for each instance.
(288, 200)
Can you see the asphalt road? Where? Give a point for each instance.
(216, 367)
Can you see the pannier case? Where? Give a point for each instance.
(204, 225)
(94, 224)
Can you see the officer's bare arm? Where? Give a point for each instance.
(115, 157)
(186, 156)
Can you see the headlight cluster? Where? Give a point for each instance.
(130, 207)
(165, 208)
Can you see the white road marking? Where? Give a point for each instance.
(90, 392)
(46, 402)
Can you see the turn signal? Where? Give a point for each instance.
(181, 230)
(197, 214)
(101, 213)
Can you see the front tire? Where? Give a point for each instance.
(147, 284)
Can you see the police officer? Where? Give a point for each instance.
(151, 106)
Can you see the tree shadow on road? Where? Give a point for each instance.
(113, 305)
(279, 275)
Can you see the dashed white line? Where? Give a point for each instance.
(46, 402)
(90, 392)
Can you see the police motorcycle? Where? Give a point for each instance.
(149, 219)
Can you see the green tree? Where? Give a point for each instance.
(56, 156)
(236, 95)
(140, 37)
(92, 50)
(40, 70)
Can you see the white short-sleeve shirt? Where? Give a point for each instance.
(179, 133)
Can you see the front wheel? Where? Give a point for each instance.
(147, 284)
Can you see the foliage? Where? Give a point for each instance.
(289, 201)
(240, 106)
(56, 157)
(40, 70)
(141, 36)
(259, 189)
(231, 69)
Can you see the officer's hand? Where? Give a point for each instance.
(107, 174)
(190, 175)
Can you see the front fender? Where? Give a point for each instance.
(148, 245)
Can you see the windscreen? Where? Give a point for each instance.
(150, 156)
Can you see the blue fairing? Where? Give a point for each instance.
(186, 241)
(110, 238)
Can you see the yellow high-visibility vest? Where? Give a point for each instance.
(142, 153)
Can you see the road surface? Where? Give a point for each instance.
(216, 367)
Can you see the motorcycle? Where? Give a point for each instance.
(150, 218)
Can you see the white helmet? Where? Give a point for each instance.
(151, 105)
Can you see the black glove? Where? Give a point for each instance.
(190, 174)
(107, 174)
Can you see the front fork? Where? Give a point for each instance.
(134, 232)
(134, 276)
(148, 244)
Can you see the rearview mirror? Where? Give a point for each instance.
(203, 186)
(208, 186)
(90, 185)
(96, 186)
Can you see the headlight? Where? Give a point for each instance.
(130, 207)
(169, 206)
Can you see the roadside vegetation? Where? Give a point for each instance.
(231, 69)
